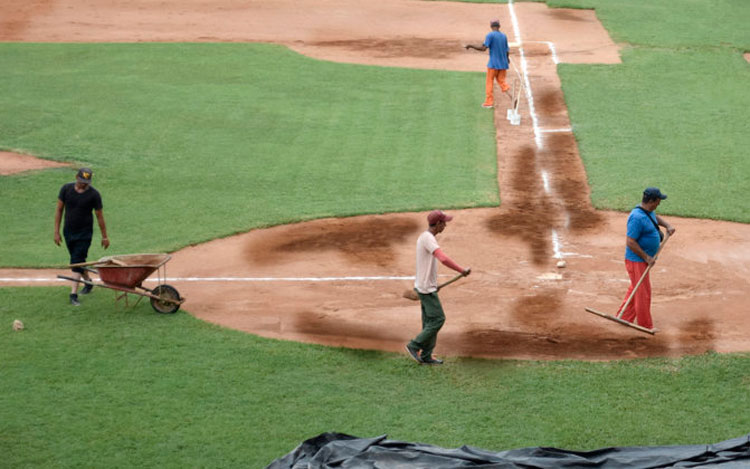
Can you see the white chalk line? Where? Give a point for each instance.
(232, 279)
(538, 131)
(551, 46)
(549, 131)
(545, 180)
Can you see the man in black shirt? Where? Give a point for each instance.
(78, 199)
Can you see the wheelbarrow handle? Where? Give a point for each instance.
(104, 260)
(84, 264)
(80, 280)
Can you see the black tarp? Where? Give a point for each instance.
(340, 451)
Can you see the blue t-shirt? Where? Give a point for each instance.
(497, 42)
(642, 229)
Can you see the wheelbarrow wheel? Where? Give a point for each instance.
(165, 292)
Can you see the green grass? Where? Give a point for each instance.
(98, 386)
(674, 113)
(671, 24)
(654, 121)
(189, 142)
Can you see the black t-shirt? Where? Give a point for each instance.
(79, 220)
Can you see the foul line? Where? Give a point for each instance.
(230, 279)
(532, 111)
(527, 84)
(552, 49)
(548, 131)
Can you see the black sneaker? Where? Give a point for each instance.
(413, 353)
(86, 289)
(74, 300)
(432, 361)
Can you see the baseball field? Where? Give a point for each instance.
(285, 154)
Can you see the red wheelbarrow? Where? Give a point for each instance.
(126, 274)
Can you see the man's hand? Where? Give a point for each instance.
(57, 238)
(105, 243)
(466, 272)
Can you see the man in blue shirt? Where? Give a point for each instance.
(642, 244)
(497, 67)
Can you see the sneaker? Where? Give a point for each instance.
(432, 361)
(487, 106)
(74, 300)
(86, 289)
(413, 353)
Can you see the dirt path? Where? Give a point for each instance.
(517, 303)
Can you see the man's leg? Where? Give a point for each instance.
(78, 249)
(642, 300)
(501, 74)
(632, 269)
(434, 318)
(490, 83)
(640, 305)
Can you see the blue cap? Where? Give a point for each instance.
(652, 193)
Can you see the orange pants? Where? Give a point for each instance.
(492, 75)
(640, 305)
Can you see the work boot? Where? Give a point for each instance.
(432, 361)
(413, 353)
(86, 289)
(74, 300)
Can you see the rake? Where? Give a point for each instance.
(618, 316)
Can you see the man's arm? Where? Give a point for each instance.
(636, 248)
(665, 224)
(480, 48)
(102, 228)
(448, 262)
(58, 218)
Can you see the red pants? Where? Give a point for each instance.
(640, 306)
(492, 75)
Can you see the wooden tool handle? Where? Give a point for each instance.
(645, 272)
(449, 281)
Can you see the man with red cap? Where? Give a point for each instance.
(425, 284)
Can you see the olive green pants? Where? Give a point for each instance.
(433, 319)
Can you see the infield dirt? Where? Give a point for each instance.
(516, 303)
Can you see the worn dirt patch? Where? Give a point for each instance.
(12, 163)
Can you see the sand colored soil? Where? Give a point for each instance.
(516, 303)
(12, 163)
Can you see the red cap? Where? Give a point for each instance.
(438, 215)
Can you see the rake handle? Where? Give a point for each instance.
(621, 311)
(445, 284)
